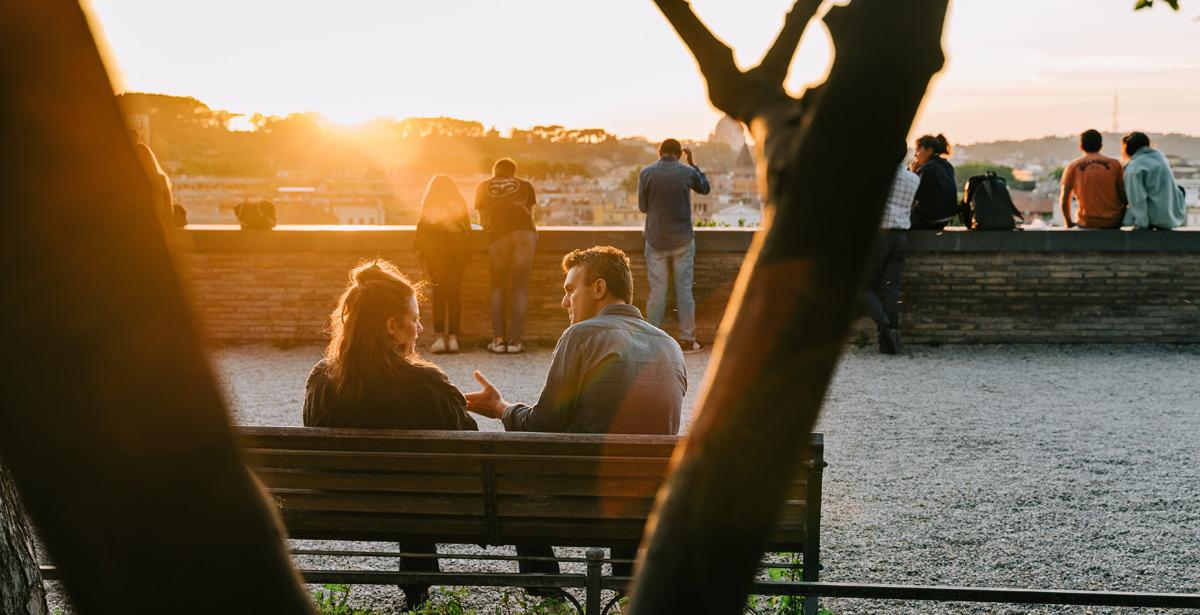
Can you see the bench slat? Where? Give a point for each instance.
(437, 462)
(425, 504)
(283, 478)
(279, 478)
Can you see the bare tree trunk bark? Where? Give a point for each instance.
(21, 589)
(826, 163)
(113, 427)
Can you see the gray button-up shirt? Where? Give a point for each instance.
(665, 196)
(615, 373)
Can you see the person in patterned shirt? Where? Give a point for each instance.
(886, 262)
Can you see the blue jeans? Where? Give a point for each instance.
(681, 263)
(511, 260)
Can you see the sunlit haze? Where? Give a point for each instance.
(1017, 69)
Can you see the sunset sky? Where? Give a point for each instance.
(1017, 69)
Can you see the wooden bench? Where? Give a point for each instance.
(489, 488)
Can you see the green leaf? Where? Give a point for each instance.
(1145, 4)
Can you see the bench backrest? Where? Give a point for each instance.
(488, 488)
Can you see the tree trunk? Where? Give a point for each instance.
(113, 427)
(826, 163)
(21, 589)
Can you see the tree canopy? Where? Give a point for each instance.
(192, 138)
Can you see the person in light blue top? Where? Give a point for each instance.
(665, 196)
(1155, 201)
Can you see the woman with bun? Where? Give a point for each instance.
(444, 244)
(937, 194)
(372, 377)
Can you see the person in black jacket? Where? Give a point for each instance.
(937, 194)
(372, 377)
(444, 244)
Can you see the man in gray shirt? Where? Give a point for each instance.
(611, 372)
(665, 196)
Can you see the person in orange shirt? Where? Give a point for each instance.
(1097, 183)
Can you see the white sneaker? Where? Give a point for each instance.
(452, 344)
(497, 347)
(439, 345)
(515, 347)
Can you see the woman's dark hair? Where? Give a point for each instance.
(1091, 141)
(938, 143)
(360, 353)
(1133, 142)
(443, 205)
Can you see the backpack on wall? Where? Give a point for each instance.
(255, 215)
(987, 205)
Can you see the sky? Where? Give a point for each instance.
(1016, 69)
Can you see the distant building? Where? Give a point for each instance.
(739, 215)
(141, 123)
(1187, 175)
(745, 179)
(730, 132)
(210, 199)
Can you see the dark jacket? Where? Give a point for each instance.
(937, 195)
(418, 397)
(444, 244)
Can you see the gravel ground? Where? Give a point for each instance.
(1003, 466)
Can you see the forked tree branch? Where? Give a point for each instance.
(786, 323)
(778, 59)
(727, 84)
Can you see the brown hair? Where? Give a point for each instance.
(937, 143)
(360, 353)
(443, 205)
(604, 263)
(1133, 142)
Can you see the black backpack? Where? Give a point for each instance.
(987, 205)
(255, 215)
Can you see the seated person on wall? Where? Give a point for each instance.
(1096, 182)
(372, 377)
(937, 193)
(612, 372)
(1155, 200)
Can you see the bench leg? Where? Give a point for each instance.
(810, 605)
(595, 563)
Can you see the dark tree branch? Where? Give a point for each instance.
(778, 59)
(113, 427)
(728, 86)
(792, 306)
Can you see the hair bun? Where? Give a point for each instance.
(374, 271)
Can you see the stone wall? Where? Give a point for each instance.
(1050, 286)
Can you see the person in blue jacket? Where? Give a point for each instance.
(1155, 200)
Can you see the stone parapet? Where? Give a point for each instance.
(1043, 286)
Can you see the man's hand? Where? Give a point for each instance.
(687, 153)
(487, 402)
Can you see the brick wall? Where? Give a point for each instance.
(959, 287)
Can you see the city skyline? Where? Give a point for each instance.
(1024, 72)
